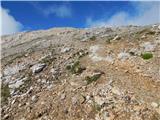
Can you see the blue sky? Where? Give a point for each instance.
(27, 16)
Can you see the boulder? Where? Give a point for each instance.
(38, 67)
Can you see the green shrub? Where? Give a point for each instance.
(93, 78)
(150, 32)
(146, 31)
(97, 107)
(80, 53)
(146, 56)
(5, 93)
(109, 39)
(93, 38)
(75, 68)
(47, 60)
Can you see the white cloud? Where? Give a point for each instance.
(8, 23)
(148, 13)
(61, 11)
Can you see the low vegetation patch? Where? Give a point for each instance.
(23, 88)
(93, 78)
(75, 68)
(109, 39)
(146, 56)
(96, 107)
(82, 53)
(150, 32)
(47, 60)
(146, 31)
(143, 31)
(93, 38)
(5, 93)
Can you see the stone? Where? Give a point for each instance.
(64, 50)
(117, 38)
(49, 87)
(13, 101)
(116, 91)
(99, 100)
(87, 97)
(143, 37)
(123, 56)
(30, 90)
(159, 27)
(38, 67)
(6, 117)
(43, 81)
(74, 100)
(106, 116)
(154, 105)
(55, 73)
(16, 83)
(63, 96)
(97, 71)
(34, 98)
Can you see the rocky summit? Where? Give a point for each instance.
(81, 74)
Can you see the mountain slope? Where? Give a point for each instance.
(82, 74)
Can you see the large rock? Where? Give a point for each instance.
(38, 67)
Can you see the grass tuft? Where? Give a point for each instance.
(109, 39)
(5, 93)
(93, 38)
(93, 78)
(75, 68)
(146, 56)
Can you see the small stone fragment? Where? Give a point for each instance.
(34, 98)
(64, 50)
(63, 96)
(99, 100)
(116, 91)
(153, 104)
(117, 38)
